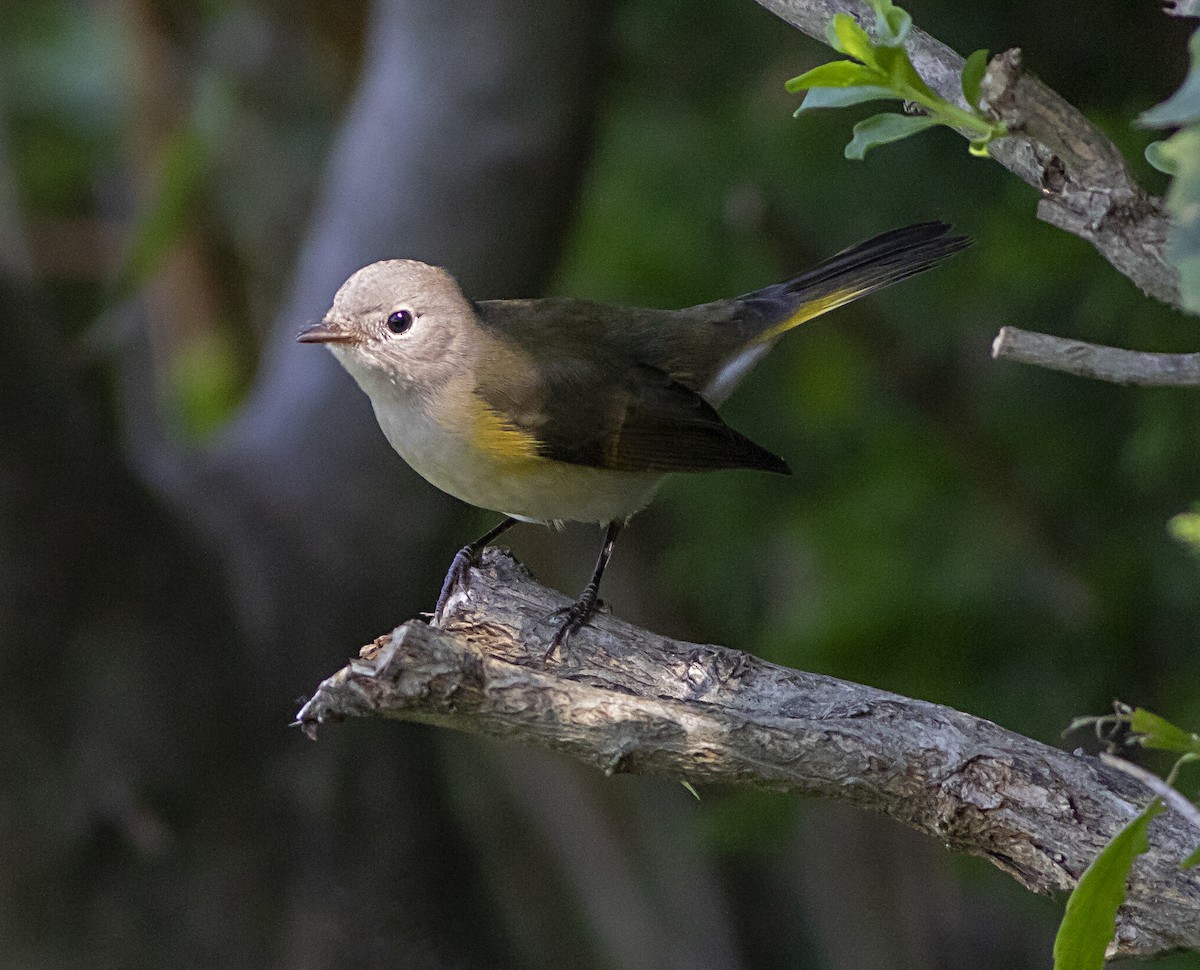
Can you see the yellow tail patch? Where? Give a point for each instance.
(810, 309)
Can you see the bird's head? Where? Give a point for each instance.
(399, 325)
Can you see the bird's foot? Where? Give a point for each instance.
(573, 619)
(458, 577)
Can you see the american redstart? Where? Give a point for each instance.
(561, 409)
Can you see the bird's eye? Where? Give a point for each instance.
(399, 320)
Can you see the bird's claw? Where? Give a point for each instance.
(458, 577)
(575, 616)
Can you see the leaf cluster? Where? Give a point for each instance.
(1179, 156)
(1090, 919)
(882, 70)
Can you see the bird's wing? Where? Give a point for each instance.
(587, 401)
(645, 421)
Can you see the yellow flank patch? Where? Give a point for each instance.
(812, 308)
(491, 434)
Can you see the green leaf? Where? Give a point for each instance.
(1161, 735)
(972, 76)
(1183, 106)
(894, 63)
(1160, 159)
(1180, 154)
(831, 36)
(891, 23)
(692, 788)
(1183, 204)
(883, 128)
(844, 97)
(979, 147)
(1192, 860)
(836, 74)
(854, 40)
(1089, 923)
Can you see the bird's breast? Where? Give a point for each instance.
(460, 446)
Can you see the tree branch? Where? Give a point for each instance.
(626, 700)
(1093, 360)
(1086, 187)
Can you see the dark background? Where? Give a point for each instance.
(199, 519)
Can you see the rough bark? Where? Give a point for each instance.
(626, 700)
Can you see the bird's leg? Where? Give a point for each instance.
(576, 615)
(460, 566)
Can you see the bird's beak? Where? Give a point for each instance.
(326, 332)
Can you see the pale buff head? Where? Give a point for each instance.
(398, 324)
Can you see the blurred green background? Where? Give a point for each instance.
(980, 534)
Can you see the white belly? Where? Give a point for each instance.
(535, 491)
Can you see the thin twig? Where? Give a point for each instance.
(1093, 360)
(626, 700)
(1169, 795)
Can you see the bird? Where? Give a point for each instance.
(560, 409)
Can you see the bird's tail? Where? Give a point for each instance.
(852, 273)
